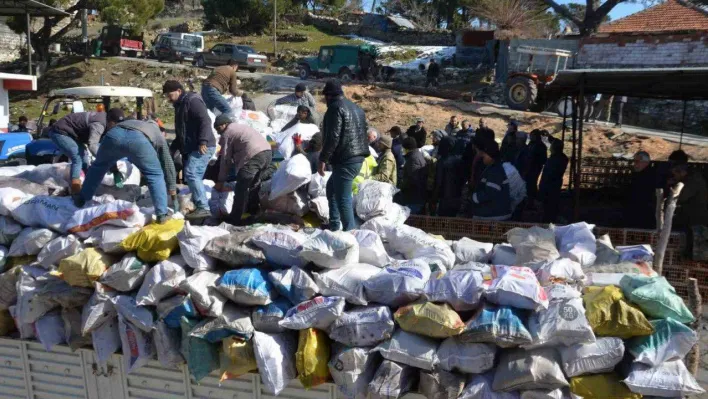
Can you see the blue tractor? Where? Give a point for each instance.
(12, 147)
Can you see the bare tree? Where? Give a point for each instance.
(513, 15)
(596, 12)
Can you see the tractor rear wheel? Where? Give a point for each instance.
(521, 93)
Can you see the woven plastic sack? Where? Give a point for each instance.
(636, 253)
(515, 286)
(600, 356)
(656, 298)
(50, 330)
(275, 356)
(294, 203)
(601, 386)
(202, 357)
(469, 250)
(563, 323)
(236, 358)
(363, 326)
(352, 368)
(468, 358)
(577, 242)
(347, 282)
(266, 318)
(106, 341)
(479, 386)
(670, 340)
(373, 199)
(286, 146)
(161, 281)
(28, 310)
(411, 349)
(331, 249)
(415, 243)
(138, 316)
(9, 230)
(108, 238)
(670, 379)
(533, 369)
(294, 284)
(398, 284)
(138, 347)
(395, 216)
(392, 380)
(167, 345)
(84, 268)
(98, 310)
(173, 309)
(462, 289)
(126, 275)
(312, 357)
(533, 245)
(560, 271)
(193, 239)
(440, 384)
(280, 245)
(546, 394)
(430, 320)
(318, 312)
(291, 175)
(154, 243)
(610, 315)
(232, 321)
(318, 185)
(235, 249)
(247, 287)
(371, 248)
(3, 257)
(8, 290)
(45, 211)
(26, 330)
(202, 288)
(58, 249)
(500, 325)
(116, 213)
(30, 241)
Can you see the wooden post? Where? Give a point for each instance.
(659, 208)
(695, 304)
(666, 229)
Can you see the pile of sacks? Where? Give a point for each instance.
(382, 310)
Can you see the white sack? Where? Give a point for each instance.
(415, 243)
(275, 357)
(469, 250)
(138, 316)
(58, 249)
(57, 175)
(636, 253)
(516, 286)
(373, 199)
(11, 198)
(318, 185)
(479, 386)
(126, 275)
(233, 320)
(109, 238)
(26, 330)
(520, 369)
(383, 225)
(106, 341)
(201, 286)
(411, 349)
(331, 249)
(118, 213)
(294, 284)
(398, 284)
(286, 145)
(137, 345)
(503, 254)
(563, 323)
(10, 171)
(30, 241)
(98, 310)
(671, 379)
(318, 312)
(167, 344)
(28, 308)
(371, 248)
(577, 242)
(9, 230)
(352, 369)
(462, 289)
(596, 357)
(347, 282)
(363, 326)
(193, 239)
(290, 176)
(393, 380)
(468, 358)
(50, 330)
(560, 270)
(281, 245)
(221, 202)
(161, 281)
(532, 245)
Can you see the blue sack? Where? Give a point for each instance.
(249, 286)
(500, 325)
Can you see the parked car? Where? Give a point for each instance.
(341, 60)
(193, 39)
(220, 54)
(116, 40)
(174, 49)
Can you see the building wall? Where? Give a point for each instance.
(10, 43)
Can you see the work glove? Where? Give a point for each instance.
(297, 139)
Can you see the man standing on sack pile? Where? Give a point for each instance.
(145, 147)
(222, 79)
(71, 134)
(246, 153)
(300, 97)
(345, 146)
(195, 141)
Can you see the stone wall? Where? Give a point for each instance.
(409, 37)
(10, 43)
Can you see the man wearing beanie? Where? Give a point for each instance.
(414, 179)
(345, 146)
(491, 199)
(300, 97)
(137, 141)
(195, 141)
(245, 153)
(387, 170)
(223, 79)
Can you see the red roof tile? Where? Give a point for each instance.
(669, 16)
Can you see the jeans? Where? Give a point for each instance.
(247, 178)
(74, 151)
(214, 100)
(339, 195)
(195, 165)
(124, 143)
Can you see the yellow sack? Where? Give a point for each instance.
(311, 220)
(430, 319)
(237, 358)
(7, 323)
(311, 358)
(84, 268)
(155, 242)
(601, 386)
(610, 315)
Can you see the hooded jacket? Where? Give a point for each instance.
(193, 126)
(343, 132)
(491, 199)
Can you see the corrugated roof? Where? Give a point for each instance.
(669, 16)
(401, 22)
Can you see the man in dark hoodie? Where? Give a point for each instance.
(491, 199)
(552, 180)
(537, 157)
(195, 141)
(345, 146)
(414, 180)
(397, 147)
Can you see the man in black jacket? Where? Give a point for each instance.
(549, 190)
(195, 141)
(537, 157)
(433, 73)
(418, 132)
(345, 146)
(413, 182)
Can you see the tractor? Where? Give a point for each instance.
(524, 89)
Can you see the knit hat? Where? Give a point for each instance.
(222, 120)
(300, 87)
(439, 134)
(420, 119)
(333, 87)
(170, 86)
(115, 115)
(386, 141)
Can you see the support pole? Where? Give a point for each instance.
(666, 228)
(574, 120)
(275, 28)
(683, 124)
(659, 209)
(579, 156)
(565, 119)
(84, 32)
(695, 304)
(29, 45)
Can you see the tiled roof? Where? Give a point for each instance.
(669, 16)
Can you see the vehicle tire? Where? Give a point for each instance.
(200, 62)
(131, 54)
(115, 51)
(251, 70)
(520, 93)
(304, 72)
(345, 75)
(560, 106)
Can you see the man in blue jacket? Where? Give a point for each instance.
(195, 141)
(491, 199)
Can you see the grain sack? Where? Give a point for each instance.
(11, 198)
(533, 369)
(503, 254)
(373, 199)
(563, 323)
(606, 252)
(311, 358)
(236, 358)
(411, 349)
(430, 320)
(193, 239)
(50, 330)
(469, 250)
(138, 316)
(596, 357)
(116, 213)
(636, 253)
(347, 282)
(172, 310)
(84, 268)
(106, 341)
(415, 243)
(167, 345)
(601, 386)
(202, 288)
(440, 384)
(126, 275)
(137, 345)
(247, 287)
(109, 237)
(318, 185)
(577, 242)
(392, 380)
(294, 284)
(30, 241)
(320, 207)
(235, 249)
(363, 326)
(670, 379)
(286, 145)
(656, 298)
(9, 230)
(202, 357)
(395, 216)
(670, 340)
(58, 249)
(8, 290)
(564, 271)
(500, 325)
(221, 202)
(462, 289)
(371, 248)
(398, 284)
(275, 356)
(611, 316)
(294, 203)
(352, 368)
(232, 321)
(26, 330)
(546, 394)
(291, 175)
(479, 386)
(280, 245)
(98, 310)
(45, 211)
(154, 243)
(161, 281)
(53, 175)
(515, 286)
(331, 249)
(533, 245)
(468, 358)
(266, 318)
(318, 312)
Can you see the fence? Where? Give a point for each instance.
(597, 173)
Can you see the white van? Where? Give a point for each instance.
(197, 40)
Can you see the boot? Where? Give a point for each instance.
(75, 186)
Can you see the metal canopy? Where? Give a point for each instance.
(662, 83)
(31, 7)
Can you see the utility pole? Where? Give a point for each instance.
(275, 28)
(84, 31)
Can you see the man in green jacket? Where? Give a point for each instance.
(387, 170)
